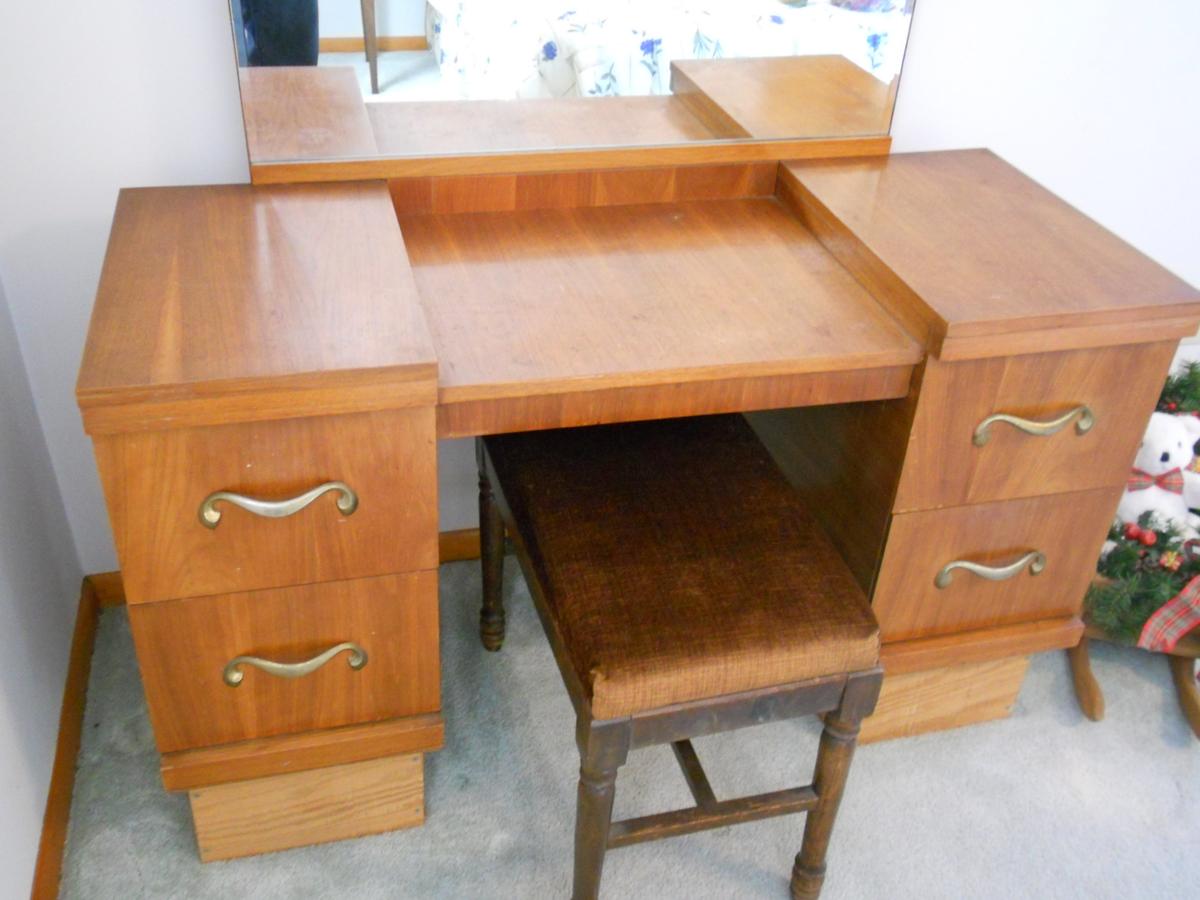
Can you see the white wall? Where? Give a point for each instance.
(393, 18)
(39, 590)
(97, 96)
(1099, 100)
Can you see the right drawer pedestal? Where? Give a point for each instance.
(906, 490)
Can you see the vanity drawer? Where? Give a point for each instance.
(1067, 529)
(185, 649)
(157, 481)
(944, 465)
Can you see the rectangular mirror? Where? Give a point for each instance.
(326, 80)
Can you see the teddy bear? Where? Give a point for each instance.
(1157, 482)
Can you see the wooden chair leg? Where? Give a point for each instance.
(1087, 689)
(1183, 673)
(602, 752)
(833, 766)
(491, 555)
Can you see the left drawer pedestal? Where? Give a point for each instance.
(260, 387)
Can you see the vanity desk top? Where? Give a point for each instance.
(312, 342)
(620, 312)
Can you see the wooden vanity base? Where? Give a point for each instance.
(243, 818)
(938, 699)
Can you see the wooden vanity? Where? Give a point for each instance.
(950, 363)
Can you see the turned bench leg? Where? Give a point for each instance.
(602, 751)
(838, 740)
(491, 555)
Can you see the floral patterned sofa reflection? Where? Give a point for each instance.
(554, 48)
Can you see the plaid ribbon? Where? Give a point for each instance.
(1169, 481)
(1174, 619)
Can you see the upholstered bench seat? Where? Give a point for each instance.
(750, 595)
(685, 590)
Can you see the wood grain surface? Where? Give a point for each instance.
(627, 296)
(943, 466)
(783, 97)
(937, 699)
(984, 259)
(234, 303)
(553, 190)
(183, 647)
(1067, 528)
(249, 817)
(1020, 639)
(155, 481)
(304, 112)
(849, 491)
(568, 159)
(667, 399)
(245, 760)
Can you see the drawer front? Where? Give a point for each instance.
(185, 648)
(945, 467)
(156, 482)
(1067, 529)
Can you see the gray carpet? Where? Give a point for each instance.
(1044, 804)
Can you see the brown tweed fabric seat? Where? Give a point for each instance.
(749, 594)
(685, 591)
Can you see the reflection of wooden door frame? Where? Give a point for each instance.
(371, 41)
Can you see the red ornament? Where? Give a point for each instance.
(1172, 406)
(1148, 538)
(1132, 531)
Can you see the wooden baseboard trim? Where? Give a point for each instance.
(47, 871)
(108, 588)
(386, 42)
(455, 546)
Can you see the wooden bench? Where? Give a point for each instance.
(685, 591)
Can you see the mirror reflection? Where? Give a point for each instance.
(836, 61)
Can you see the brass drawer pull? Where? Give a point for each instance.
(210, 516)
(1035, 559)
(1084, 417)
(233, 673)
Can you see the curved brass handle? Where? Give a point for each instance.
(210, 516)
(1085, 420)
(1035, 559)
(233, 673)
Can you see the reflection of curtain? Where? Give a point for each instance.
(280, 32)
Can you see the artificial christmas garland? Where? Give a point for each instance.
(1148, 564)
(1181, 394)
(1148, 567)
